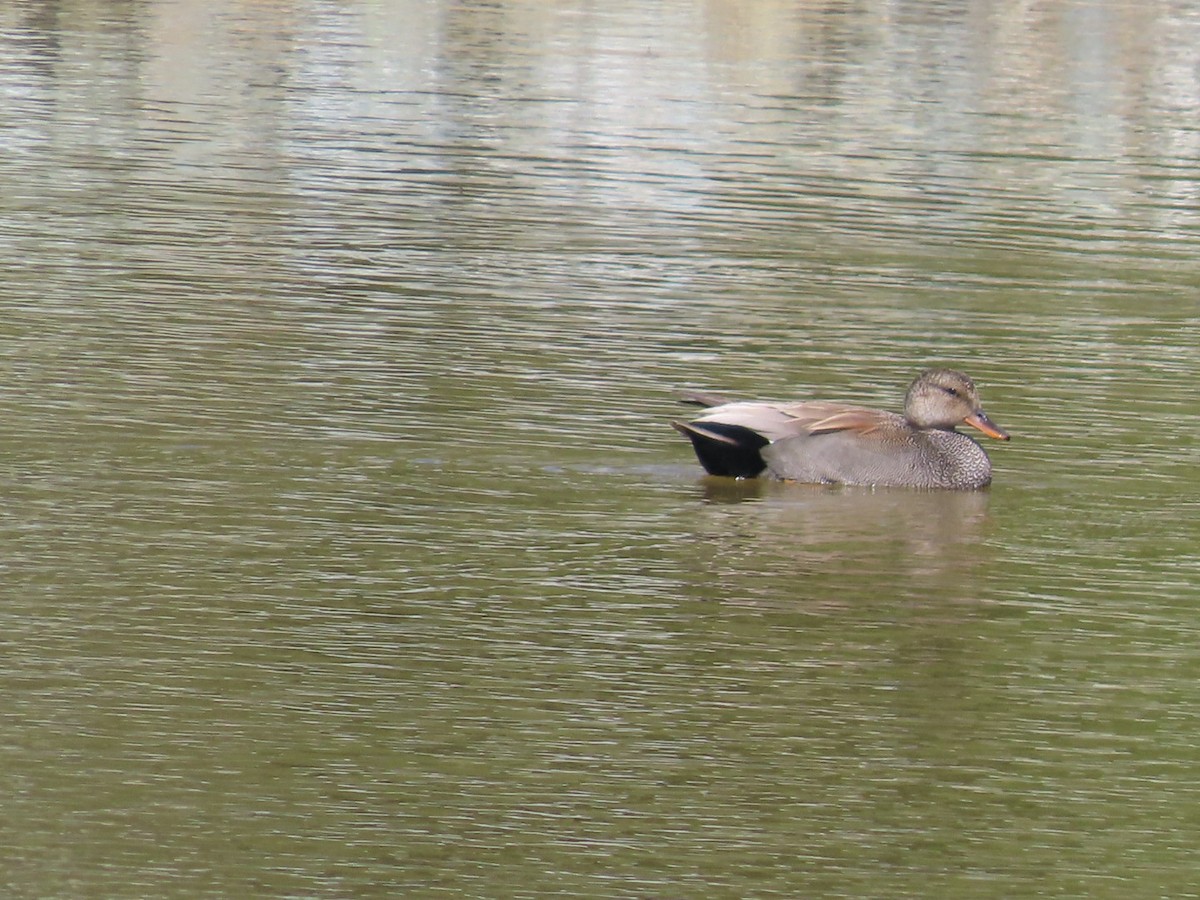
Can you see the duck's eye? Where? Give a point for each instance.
(953, 392)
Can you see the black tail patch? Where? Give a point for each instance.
(728, 450)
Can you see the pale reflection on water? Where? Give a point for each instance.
(347, 546)
(833, 544)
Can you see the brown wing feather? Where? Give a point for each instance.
(819, 417)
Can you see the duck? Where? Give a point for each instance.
(825, 442)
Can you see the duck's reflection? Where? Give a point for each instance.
(841, 542)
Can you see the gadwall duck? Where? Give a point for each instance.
(836, 443)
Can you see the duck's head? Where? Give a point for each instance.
(944, 398)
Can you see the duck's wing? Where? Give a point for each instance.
(703, 398)
(780, 421)
(823, 417)
(768, 420)
(777, 421)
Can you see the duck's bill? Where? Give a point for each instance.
(987, 426)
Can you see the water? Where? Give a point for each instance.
(348, 551)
